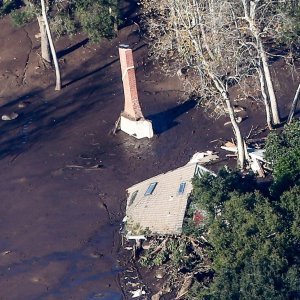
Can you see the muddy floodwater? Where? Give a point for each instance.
(64, 175)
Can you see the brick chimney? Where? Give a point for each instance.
(132, 108)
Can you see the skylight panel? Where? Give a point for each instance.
(132, 198)
(181, 188)
(151, 188)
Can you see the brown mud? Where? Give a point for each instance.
(63, 175)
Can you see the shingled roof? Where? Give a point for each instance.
(157, 205)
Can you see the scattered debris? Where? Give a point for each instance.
(159, 274)
(23, 104)
(9, 117)
(257, 168)
(137, 293)
(165, 290)
(236, 109)
(229, 146)
(157, 296)
(93, 168)
(116, 127)
(238, 120)
(203, 157)
(255, 156)
(187, 283)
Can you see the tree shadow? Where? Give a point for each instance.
(129, 13)
(165, 120)
(39, 121)
(68, 50)
(296, 114)
(98, 70)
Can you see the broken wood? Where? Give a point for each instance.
(231, 155)
(117, 126)
(257, 168)
(160, 247)
(95, 167)
(187, 283)
(294, 105)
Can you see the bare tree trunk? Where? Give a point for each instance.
(267, 75)
(294, 105)
(237, 133)
(236, 130)
(250, 8)
(45, 48)
(57, 71)
(265, 97)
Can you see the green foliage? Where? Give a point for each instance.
(7, 6)
(290, 31)
(210, 193)
(21, 17)
(178, 252)
(97, 18)
(289, 209)
(63, 24)
(283, 151)
(255, 240)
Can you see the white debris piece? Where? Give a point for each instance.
(203, 157)
(10, 116)
(137, 293)
(257, 154)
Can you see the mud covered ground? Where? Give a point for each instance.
(63, 175)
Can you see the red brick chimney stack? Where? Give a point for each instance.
(132, 107)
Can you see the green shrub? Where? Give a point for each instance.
(283, 151)
(21, 17)
(7, 6)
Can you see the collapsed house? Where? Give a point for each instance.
(157, 206)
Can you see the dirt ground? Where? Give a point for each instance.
(63, 175)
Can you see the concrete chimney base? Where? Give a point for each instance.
(139, 129)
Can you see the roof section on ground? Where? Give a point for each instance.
(157, 205)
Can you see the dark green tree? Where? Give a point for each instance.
(98, 19)
(255, 239)
(283, 151)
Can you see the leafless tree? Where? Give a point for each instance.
(200, 38)
(294, 105)
(53, 52)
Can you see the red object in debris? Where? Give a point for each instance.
(198, 217)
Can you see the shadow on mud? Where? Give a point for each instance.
(39, 119)
(165, 120)
(70, 49)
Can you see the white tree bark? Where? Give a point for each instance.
(45, 48)
(238, 135)
(57, 71)
(294, 105)
(265, 97)
(250, 7)
(269, 82)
